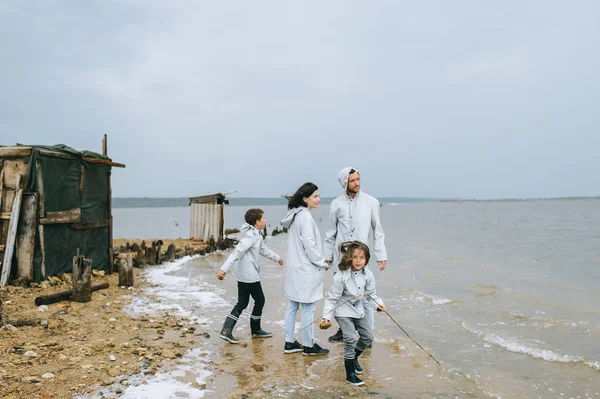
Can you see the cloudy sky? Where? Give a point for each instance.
(463, 99)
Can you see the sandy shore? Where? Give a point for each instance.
(76, 348)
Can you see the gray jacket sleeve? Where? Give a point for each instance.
(267, 252)
(370, 289)
(333, 296)
(309, 241)
(330, 233)
(240, 249)
(378, 234)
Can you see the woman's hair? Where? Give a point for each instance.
(297, 199)
(347, 249)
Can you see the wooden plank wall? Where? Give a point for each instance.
(205, 221)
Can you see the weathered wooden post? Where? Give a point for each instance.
(157, 257)
(82, 284)
(171, 252)
(126, 271)
(1, 313)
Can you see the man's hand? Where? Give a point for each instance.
(280, 261)
(381, 308)
(382, 264)
(221, 275)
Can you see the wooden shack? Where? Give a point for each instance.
(206, 216)
(53, 200)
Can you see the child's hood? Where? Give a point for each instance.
(289, 218)
(245, 229)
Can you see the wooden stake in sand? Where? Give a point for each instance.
(126, 271)
(82, 271)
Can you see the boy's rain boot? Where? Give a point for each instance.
(227, 329)
(258, 332)
(338, 336)
(357, 367)
(351, 374)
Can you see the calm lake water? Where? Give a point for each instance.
(504, 293)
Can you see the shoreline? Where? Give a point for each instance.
(73, 348)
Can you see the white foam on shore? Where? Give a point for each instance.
(513, 345)
(166, 290)
(164, 384)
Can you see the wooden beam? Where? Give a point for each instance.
(55, 154)
(5, 215)
(70, 216)
(42, 249)
(26, 237)
(12, 233)
(40, 184)
(104, 162)
(1, 182)
(90, 225)
(107, 162)
(105, 145)
(15, 152)
(81, 182)
(111, 266)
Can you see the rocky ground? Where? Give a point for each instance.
(74, 348)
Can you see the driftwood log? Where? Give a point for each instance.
(82, 283)
(126, 271)
(64, 295)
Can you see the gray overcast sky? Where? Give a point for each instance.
(427, 99)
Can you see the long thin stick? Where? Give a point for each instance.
(411, 338)
(331, 311)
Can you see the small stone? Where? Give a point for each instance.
(199, 385)
(42, 308)
(243, 344)
(30, 354)
(32, 380)
(114, 372)
(52, 325)
(44, 285)
(169, 354)
(61, 356)
(47, 376)
(55, 280)
(112, 357)
(112, 320)
(44, 323)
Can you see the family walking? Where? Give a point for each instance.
(351, 298)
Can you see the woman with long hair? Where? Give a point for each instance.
(305, 270)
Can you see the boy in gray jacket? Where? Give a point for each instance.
(246, 253)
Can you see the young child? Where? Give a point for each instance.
(351, 286)
(246, 253)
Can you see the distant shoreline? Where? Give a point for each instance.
(146, 202)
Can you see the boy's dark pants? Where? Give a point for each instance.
(245, 291)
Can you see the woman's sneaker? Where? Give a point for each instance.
(293, 347)
(315, 350)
